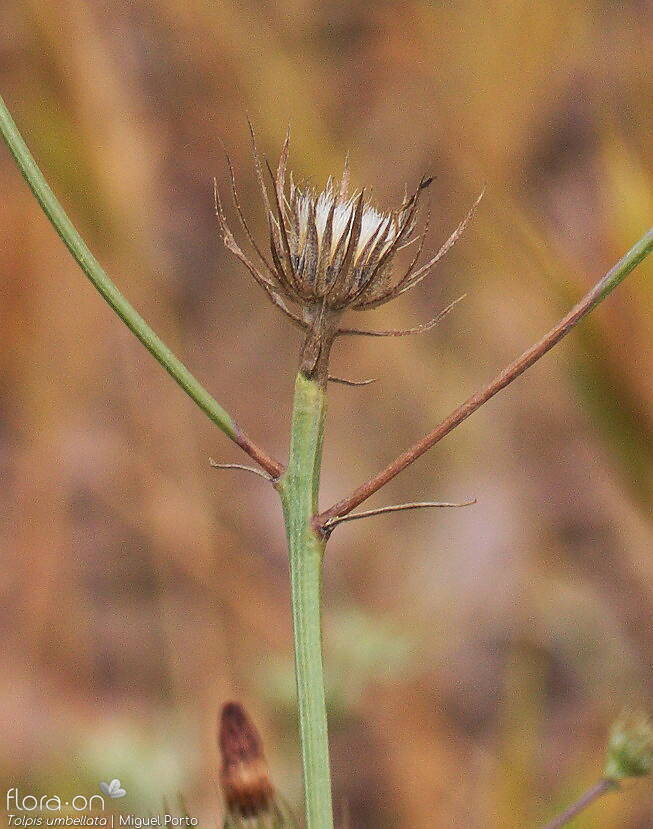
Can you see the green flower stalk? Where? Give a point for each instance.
(329, 252)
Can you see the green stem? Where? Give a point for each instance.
(299, 492)
(132, 319)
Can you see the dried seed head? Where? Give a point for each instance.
(244, 776)
(630, 747)
(341, 248)
(329, 251)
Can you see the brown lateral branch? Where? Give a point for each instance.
(604, 786)
(602, 288)
(272, 467)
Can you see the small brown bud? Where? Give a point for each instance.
(244, 776)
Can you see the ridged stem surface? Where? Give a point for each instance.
(299, 492)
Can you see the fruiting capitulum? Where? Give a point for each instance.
(329, 251)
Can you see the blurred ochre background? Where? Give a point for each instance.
(475, 657)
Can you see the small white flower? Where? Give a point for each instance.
(112, 789)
